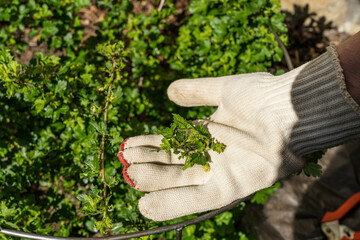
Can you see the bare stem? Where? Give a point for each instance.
(23, 82)
(283, 48)
(104, 134)
(161, 5)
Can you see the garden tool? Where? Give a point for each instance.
(331, 226)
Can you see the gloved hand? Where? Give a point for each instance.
(268, 123)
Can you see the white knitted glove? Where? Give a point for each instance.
(267, 124)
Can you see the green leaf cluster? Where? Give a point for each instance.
(192, 142)
(311, 167)
(54, 22)
(262, 196)
(229, 37)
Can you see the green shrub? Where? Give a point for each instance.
(52, 108)
(228, 37)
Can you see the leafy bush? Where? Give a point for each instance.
(53, 134)
(190, 141)
(228, 37)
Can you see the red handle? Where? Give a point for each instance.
(342, 210)
(356, 237)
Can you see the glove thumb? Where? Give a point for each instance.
(196, 92)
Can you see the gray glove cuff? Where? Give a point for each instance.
(327, 114)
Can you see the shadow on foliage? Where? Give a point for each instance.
(339, 182)
(306, 34)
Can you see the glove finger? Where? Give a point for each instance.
(154, 177)
(148, 155)
(177, 202)
(205, 91)
(197, 92)
(142, 140)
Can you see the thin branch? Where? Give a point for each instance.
(161, 5)
(23, 82)
(102, 152)
(283, 48)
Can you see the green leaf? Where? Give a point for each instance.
(181, 122)
(82, 3)
(93, 163)
(39, 104)
(117, 228)
(10, 224)
(262, 196)
(197, 158)
(116, 141)
(202, 130)
(49, 29)
(81, 197)
(6, 212)
(218, 147)
(96, 126)
(223, 218)
(60, 86)
(277, 23)
(118, 93)
(63, 109)
(312, 169)
(165, 145)
(219, 26)
(167, 132)
(90, 224)
(198, 6)
(104, 224)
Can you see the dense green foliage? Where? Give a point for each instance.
(217, 31)
(262, 196)
(191, 141)
(52, 108)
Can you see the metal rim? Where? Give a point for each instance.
(177, 226)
